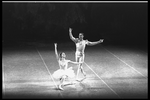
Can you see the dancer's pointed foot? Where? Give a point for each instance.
(81, 79)
(70, 83)
(77, 80)
(60, 88)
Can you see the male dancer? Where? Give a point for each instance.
(80, 47)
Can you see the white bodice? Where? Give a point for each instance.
(63, 63)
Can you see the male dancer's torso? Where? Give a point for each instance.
(80, 46)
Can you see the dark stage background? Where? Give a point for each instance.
(122, 24)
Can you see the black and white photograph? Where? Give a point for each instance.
(75, 49)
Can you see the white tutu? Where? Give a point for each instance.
(60, 72)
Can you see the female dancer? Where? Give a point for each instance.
(64, 72)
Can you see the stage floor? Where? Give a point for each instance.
(112, 72)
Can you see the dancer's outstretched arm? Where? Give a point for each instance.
(74, 62)
(94, 43)
(71, 36)
(56, 53)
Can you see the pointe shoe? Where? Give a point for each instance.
(59, 87)
(79, 80)
(70, 83)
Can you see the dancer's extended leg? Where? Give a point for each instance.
(81, 59)
(83, 72)
(78, 70)
(61, 82)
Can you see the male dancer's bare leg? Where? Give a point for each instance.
(80, 68)
(83, 72)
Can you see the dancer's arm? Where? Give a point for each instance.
(94, 43)
(71, 36)
(74, 62)
(56, 53)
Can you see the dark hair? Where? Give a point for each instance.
(60, 55)
(82, 33)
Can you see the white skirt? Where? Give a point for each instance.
(60, 72)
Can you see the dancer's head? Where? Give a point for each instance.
(62, 55)
(81, 35)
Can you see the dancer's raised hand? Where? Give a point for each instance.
(55, 44)
(70, 29)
